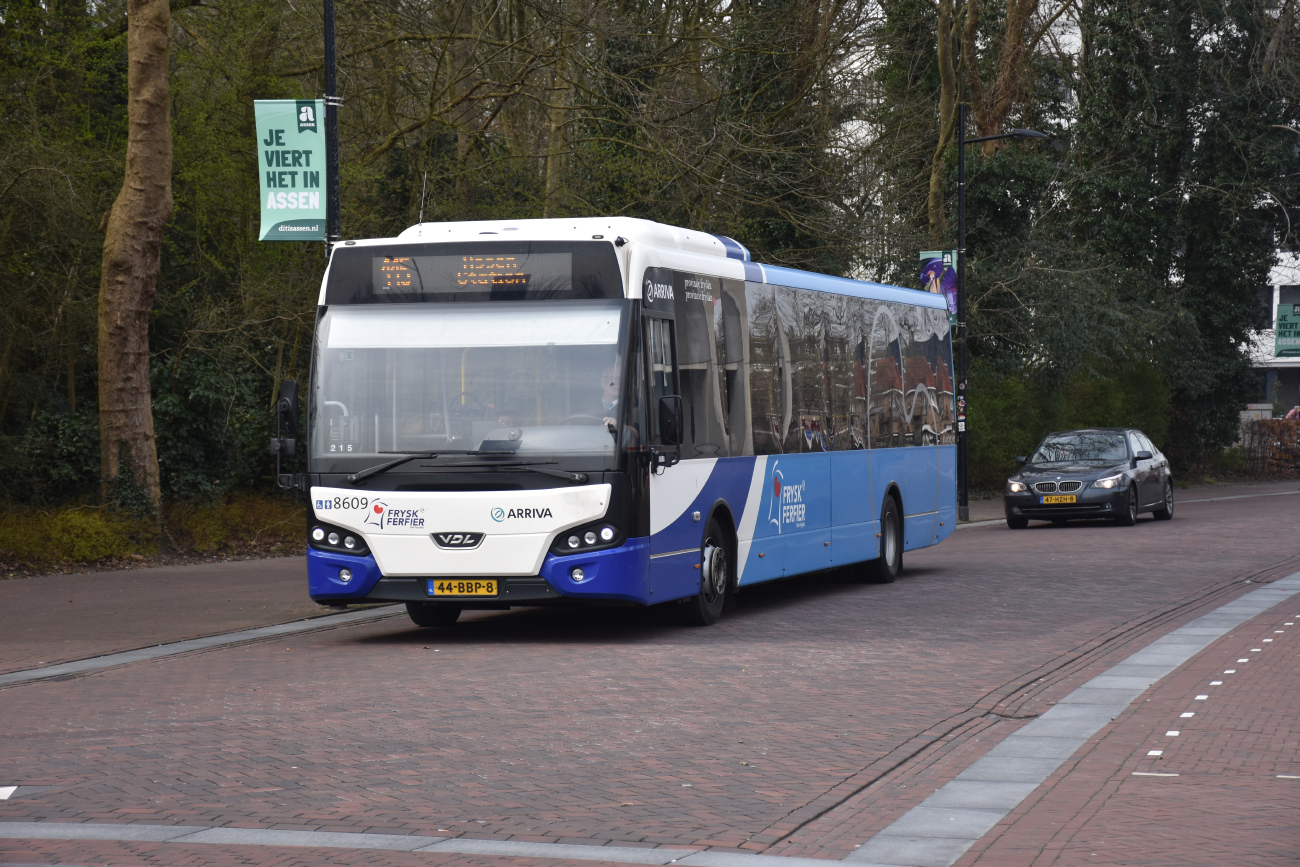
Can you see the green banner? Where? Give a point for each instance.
(291, 161)
(1288, 330)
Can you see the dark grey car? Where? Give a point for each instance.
(1104, 472)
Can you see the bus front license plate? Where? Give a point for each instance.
(1058, 498)
(462, 587)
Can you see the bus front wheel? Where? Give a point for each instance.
(705, 607)
(432, 613)
(885, 568)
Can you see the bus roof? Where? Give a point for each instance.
(667, 239)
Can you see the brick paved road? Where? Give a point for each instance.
(56, 618)
(800, 725)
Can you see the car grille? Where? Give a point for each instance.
(1069, 487)
(1045, 487)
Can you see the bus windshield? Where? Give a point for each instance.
(539, 378)
(1095, 446)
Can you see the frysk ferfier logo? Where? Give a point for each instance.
(787, 509)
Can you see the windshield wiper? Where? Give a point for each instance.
(580, 478)
(405, 456)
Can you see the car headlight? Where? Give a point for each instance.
(1108, 482)
(1015, 487)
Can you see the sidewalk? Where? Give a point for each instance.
(1202, 770)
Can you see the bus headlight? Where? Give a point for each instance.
(338, 540)
(592, 537)
(1015, 487)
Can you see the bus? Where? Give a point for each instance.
(616, 411)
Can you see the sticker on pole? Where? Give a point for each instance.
(291, 163)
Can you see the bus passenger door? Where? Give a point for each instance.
(674, 537)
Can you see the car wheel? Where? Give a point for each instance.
(1166, 510)
(432, 613)
(705, 607)
(1017, 523)
(1129, 516)
(885, 568)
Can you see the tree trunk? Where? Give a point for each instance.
(947, 117)
(132, 250)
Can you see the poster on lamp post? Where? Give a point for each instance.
(291, 163)
(1287, 342)
(939, 275)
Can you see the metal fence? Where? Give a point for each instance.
(1272, 448)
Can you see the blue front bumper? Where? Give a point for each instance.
(621, 573)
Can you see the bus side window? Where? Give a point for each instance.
(732, 341)
(697, 367)
(841, 325)
(659, 353)
(885, 384)
(767, 395)
(947, 396)
(804, 317)
(920, 384)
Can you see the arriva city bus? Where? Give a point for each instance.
(555, 412)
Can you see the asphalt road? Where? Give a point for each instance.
(804, 722)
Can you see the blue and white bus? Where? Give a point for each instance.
(534, 412)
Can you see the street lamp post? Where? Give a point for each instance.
(333, 223)
(963, 462)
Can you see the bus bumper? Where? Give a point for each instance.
(621, 573)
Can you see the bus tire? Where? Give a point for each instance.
(716, 579)
(432, 613)
(889, 560)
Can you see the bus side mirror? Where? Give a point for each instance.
(287, 409)
(670, 420)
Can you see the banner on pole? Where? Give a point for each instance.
(291, 162)
(1287, 342)
(939, 275)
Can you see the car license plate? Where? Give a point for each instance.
(462, 587)
(1058, 498)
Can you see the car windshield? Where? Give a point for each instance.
(1091, 446)
(535, 378)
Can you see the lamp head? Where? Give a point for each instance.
(1028, 133)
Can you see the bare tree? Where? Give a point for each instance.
(132, 249)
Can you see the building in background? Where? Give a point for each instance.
(1275, 351)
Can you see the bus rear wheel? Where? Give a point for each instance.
(885, 568)
(432, 613)
(705, 607)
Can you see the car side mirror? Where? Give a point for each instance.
(1143, 456)
(1021, 460)
(670, 420)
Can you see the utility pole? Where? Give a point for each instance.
(963, 460)
(333, 223)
